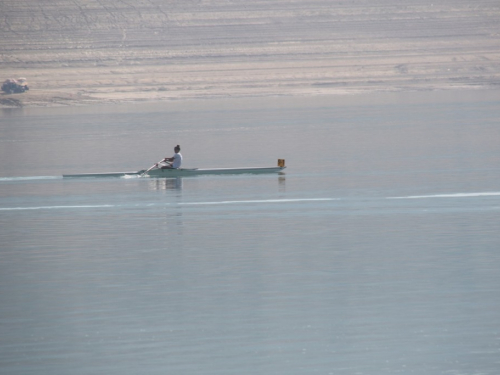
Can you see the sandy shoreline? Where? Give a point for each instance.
(86, 53)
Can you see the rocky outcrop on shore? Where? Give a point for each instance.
(88, 51)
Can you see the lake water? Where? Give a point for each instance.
(376, 252)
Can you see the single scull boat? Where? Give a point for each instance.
(184, 172)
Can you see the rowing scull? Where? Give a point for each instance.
(182, 172)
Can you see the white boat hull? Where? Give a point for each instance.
(195, 172)
(182, 172)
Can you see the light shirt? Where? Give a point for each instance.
(177, 160)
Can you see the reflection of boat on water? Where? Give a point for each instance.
(166, 183)
(185, 172)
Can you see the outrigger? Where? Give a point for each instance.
(157, 172)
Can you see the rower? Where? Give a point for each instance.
(175, 161)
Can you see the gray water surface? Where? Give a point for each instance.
(376, 252)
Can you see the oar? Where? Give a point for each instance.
(154, 165)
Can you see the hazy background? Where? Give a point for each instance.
(143, 50)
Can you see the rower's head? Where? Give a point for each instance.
(177, 148)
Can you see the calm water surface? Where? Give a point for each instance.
(377, 252)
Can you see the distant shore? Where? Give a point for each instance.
(73, 54)
(45, 98)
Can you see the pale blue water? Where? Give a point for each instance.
(377, 252)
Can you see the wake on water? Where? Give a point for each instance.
(31, 178)
(35, 178)
(455, 195)
(256, 201)
(268, 201)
